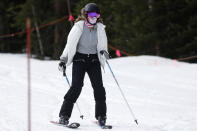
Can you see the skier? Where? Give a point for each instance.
(85, 43)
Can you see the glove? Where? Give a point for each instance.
(105, 53)
(62, 66)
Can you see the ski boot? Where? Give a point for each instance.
(102, 120)
(64, 120)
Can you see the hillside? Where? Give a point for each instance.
(161, 92)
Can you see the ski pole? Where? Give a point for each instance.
(64, 74)
(107, 57)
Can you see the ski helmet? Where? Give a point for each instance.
(91, 7)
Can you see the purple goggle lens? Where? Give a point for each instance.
(93, 14)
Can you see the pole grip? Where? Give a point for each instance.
(64, 72)
(105, 53)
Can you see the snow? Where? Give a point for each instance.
(161, 92)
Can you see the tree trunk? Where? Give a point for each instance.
(58, 31)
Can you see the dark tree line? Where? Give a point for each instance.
(165, 28)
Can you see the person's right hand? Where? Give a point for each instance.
(62, 66)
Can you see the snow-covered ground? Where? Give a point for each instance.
(161, 92)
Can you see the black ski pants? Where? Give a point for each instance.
(83, 63)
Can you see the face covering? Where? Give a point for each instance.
(92, 20)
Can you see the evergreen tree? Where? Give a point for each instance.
(140, 27)
(7, 11)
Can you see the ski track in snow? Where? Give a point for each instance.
(161, 93)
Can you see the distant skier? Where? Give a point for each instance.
(85, 41)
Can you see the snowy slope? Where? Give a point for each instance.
(161, 92)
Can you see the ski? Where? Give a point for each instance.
(104, 127)
(73, 125)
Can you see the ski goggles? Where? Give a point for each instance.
(93, 14)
